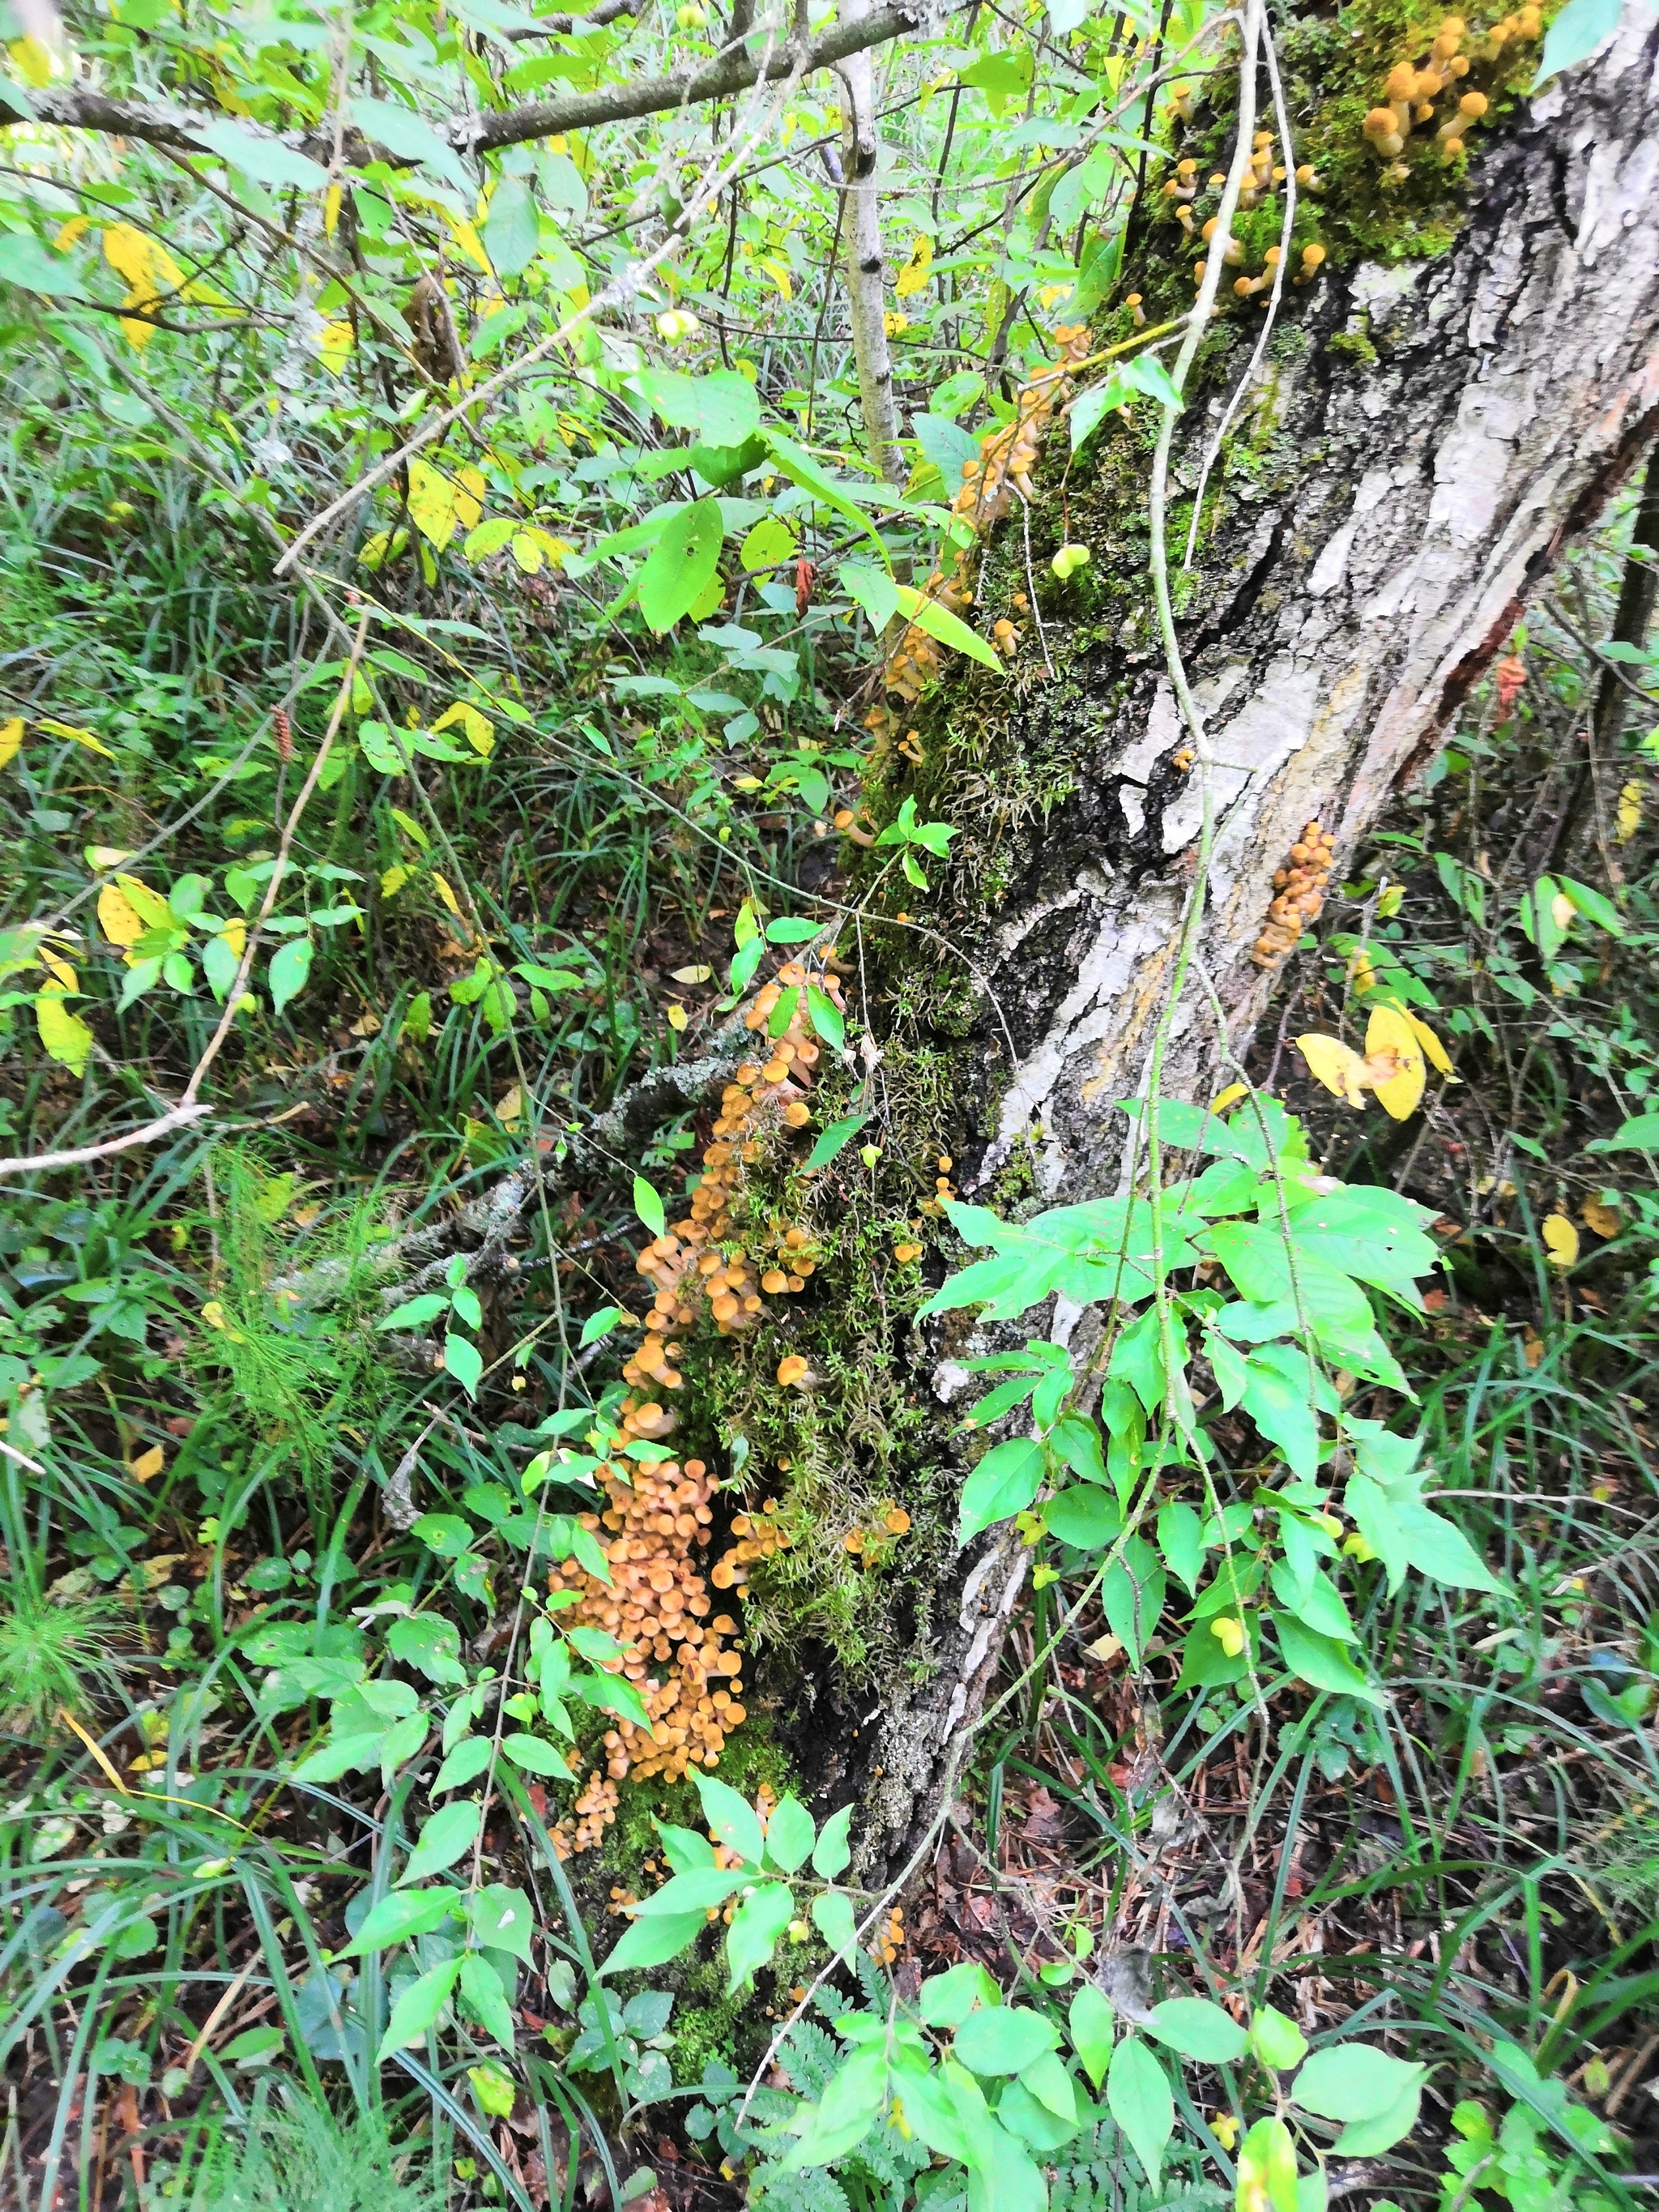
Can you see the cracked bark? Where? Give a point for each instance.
(1368, 544)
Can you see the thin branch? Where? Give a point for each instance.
(79, 107)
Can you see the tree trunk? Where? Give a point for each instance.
(1423, 442)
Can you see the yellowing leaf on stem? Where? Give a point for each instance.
(148, 1464)
(11, 736)
(118, 917)
(913, 275)
(467, 237)
(1439, 1057)
(151, 907)
(1629, 817)
(1560, 1239)
(60, 970)
(478, 729)
(1230, 1097)
(54, 728)
(447, 895)
(334, 342)
(469, 490)
(1390, 1037)
(331, 210)
(1604, 1219)
(70, 233)
(1336, 1065)
(431, 503)
(63, 1036)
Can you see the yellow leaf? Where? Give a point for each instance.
(509, 1107)
(677, 1017)
(1390, 1038)
(137, 332)
(471, 243)
(913, 275)
(235, 933)
(1439, 1057)
(431, 503)
(393, 881)
(148, 1464)
(1630, 811)
(128, 252)
(479, 731)
(32, 59)
(106, 856)
(1336, 1065)
(150, 906)
(214, 1313)
(57, 729)
(334, 342)
(698, 975)
(11, 736)
(780, 274)
(1563, 911)
(1605, 1221)
(64, 1035)
(1230, 1097)
(69, 233)
(1362, 975)
(120, 920)
(470, 496)
(447, 895)
(1562, 1239)
(60, 970)
(527, 553)
(331, 210)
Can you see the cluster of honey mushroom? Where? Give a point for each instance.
(1262, 177)
(685, 1265)
(1300, 888)
(1001, 469)
(1438, 97)
(677, 1655)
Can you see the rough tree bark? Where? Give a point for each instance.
(1381, 522)
(867, 305)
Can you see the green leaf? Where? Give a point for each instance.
(1276, 2039)
(1322, 1661)
(404, 1913)
(1005, 2039)
(1076, 1440)
(720, 406)
(797, 464)
(432, 1645)
(756, 1927)
(535, 1755)
(1639, 1135)
(1090, 2020)
(1138, 2096)
(1577, 32)
(446, 1836)
(267, 161)
(1197, 2029)
(343, 1754)
(30, 264)
(826, 1017)
(844, 2115)
(1366, 2138)
(681, 564)
(482, 1997)
(415, 1313)
(697, 1890)
(403, 133)
(1440, 1550)
(1084, 1516)
(1145, 373)
(789, 1834)
(417, 2009)
(945, 2000)
(650, 1206)
(501, 1919)
(834, 1919)
(446, 1533)
(1180, 1539)
(949, 629)
(1266, 2168)
(1004, 1483)
(832, 1854)
(653, 1942)
(464, 1360)
(1354, 2081)
(835, 1138)
(512, 232)
(1052, 2086)
(732, 1818)
(1088, 408)
(290, 964)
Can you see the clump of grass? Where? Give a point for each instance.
(303, 2159)
(52, 1654)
